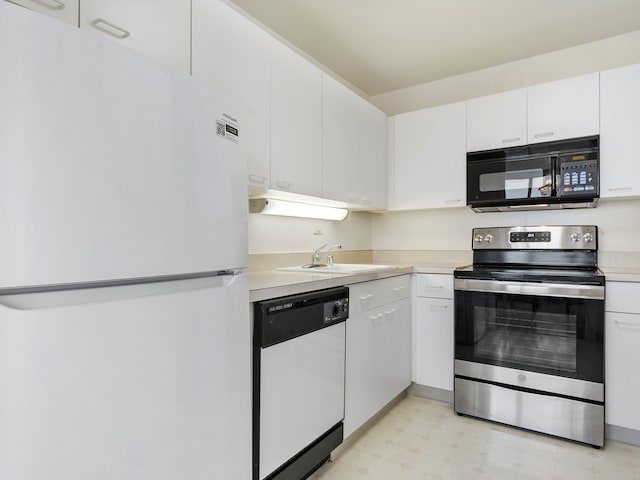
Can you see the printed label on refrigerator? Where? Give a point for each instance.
(227, 128)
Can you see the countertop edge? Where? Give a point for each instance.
(265, 285)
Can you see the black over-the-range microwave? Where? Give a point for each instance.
(550, 175)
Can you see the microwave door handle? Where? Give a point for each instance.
(555, 174)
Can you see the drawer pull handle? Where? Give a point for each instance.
(366, 297)
(109, 28)
(439, 307)
(617, 189)
(259, 179)
(543, 135)
(511, 140)
(452, 201)
(375, 319)
(283, 184)
(51, 4)
(398, 289)
(627, 324)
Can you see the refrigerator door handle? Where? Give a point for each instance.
(113, 291)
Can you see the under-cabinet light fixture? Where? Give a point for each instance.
(272, 206)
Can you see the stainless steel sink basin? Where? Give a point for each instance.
(337, 268)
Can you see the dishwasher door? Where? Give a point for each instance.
(299, 373)
(301, 393)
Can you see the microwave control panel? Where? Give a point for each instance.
(578, 174)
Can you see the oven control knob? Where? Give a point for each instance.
(479, 238)
(488, 237)
(587, 237)
(575, 237)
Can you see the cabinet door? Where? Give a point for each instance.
(239, 68)
(373, 156)
(340, 142)
(622, 366)
(296, 122)
(378, 361)
(429, 157)
(158, 28)
(619, 125)
(434, 343)
(497, 121)
(564, 109)
(396, 347)
(65, 10)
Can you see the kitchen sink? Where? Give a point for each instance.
(337, 268)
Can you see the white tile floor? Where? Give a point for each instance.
(423, 439)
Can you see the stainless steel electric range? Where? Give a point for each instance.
(529, 331)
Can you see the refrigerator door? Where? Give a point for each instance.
(127, 384)
(111, 166)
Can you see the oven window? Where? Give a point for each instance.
(558, 336)
(534, 339)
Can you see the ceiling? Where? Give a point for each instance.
(385, 45)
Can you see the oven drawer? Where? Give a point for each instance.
(563, 417)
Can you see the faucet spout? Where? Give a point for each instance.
(315, 256)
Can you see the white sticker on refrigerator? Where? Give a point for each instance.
(227, 127)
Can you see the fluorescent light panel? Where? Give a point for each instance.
(271, 206)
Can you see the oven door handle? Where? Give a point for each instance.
(566, 290)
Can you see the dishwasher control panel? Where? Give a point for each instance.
(336, 310)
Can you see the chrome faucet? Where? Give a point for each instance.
(317, 254)
(330, 257)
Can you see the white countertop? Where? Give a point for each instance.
(264, 285)
(267, 284)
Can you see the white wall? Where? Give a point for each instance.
(450, 229)
(272, 234)
(590, 57)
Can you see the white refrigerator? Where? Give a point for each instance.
(124, 326)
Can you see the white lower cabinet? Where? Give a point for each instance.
(378, 363)
(433, 348)
(622, 355)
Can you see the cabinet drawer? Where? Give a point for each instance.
(435, 285)
(623, 297)
(367, 295)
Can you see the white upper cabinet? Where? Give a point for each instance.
(354, 147)
(158, 28)
(296, 122)
(65, 10)
(566, 108)
(557, 110)
(428, 164)
(239, 68)
(497, 121)
(373, 156)
(340, 142)
(619, 128)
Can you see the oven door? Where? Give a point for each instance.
(552, 329)
(509, 181)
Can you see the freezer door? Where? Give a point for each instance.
(111, 166)
(126, 383)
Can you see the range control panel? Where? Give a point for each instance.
(515, 237)
(556, 237)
